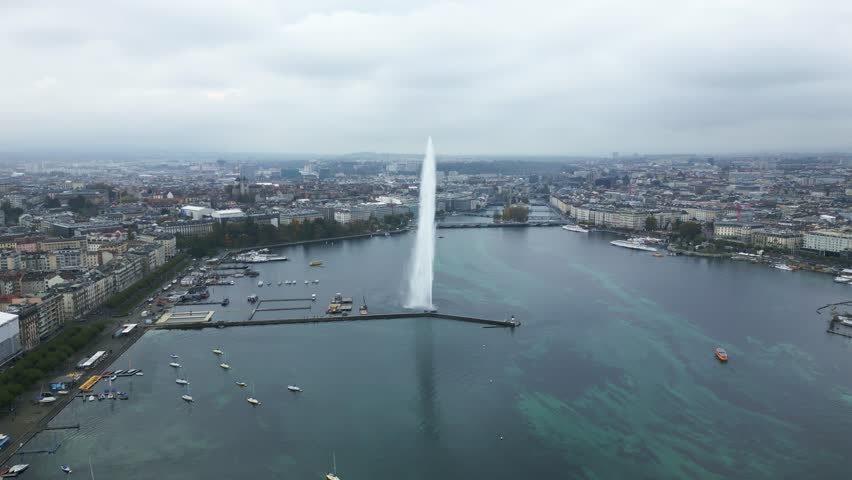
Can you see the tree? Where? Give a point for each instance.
(651, 223)
(516, 213)
(497, 216)
(689, 230)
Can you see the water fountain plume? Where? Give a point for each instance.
(421, 272)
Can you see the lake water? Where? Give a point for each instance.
(612, 374)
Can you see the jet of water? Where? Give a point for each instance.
(421, 272)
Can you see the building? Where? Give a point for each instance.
(780, 239)
(188, 228)
(70, 259)
(287, 217)
(75, 243)
(10, 282)
(167, 240)
(196, 213)
(27, 324)
(129, 271)
(742, 231)
(10, 260)
(229, 215)
(37, 282)
(828, 241)
(342, 216)
(10, 337)
(39, 262)
(51, 313)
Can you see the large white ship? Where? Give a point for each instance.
(634, 244)
(259, 257)
(574, 228)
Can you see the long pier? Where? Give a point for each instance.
(337, 318)
(546, 223)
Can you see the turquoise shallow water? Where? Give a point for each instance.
(611, 376)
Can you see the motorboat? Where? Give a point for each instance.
(174, 364)
(182, 381)
(113, 378)
(174, 356)
(294, 388)
(187, 397)
(306, 282)
(574, 228)
(139, 374)
(4, 439)
(316, 281)
(66, 469)
(91, 398)
(122, 396)
(117, 372)
(279, 283)
(721, 354)
(260, 283)
(101, 397)
(14, 470)
(63, 392)
(225, 365)
(217, 351)
(241, 384)
(333, 476)
(782, 266)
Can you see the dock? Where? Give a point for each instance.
(338, 318)
(185, 317)
(543, 223)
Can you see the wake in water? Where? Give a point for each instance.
(421, 271)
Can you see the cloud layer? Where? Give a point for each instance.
(327, 76)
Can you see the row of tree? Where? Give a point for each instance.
(514, 213)
(34, 365)
(125, 300)
(250, 234)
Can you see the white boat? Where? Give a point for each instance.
(16, 470)
(260, 283)
(316, 281)
(306, 282)
(66, 469)
(139, 374)
(333, 476)
(842, 279)
(48, 399)
(182, 381)
(224, 364)
(187, 397)
(91, 398)
(63, 392)
(782, 266)
(174, 356)
(241, 384)
(174, 364)
(251, 399)
(294, 388)
(279, 283)
(217, 351)
(574, 228)
(633, 244)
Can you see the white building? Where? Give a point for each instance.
(743, 231)
(10, 336)
(827, 241)
(342, 216)
(196, 213)
(230, 214)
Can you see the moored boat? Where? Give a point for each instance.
(633, 244)
(174, 364)
(721, 354)
(574, 228)
(14, 470)
(65, 468)
(294, 388)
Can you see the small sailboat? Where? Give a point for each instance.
(294, 388)
(333, 476)
(252, 400)
(224, 363)
(65, 468)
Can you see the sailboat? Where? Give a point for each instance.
(363, 309)
(333, 476)
(186, 396)
(181, 381)
(251, 399)
(224, 363)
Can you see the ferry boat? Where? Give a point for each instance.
(4, 439)
(259, 257)
(574, 228)
(14, 470)
(721, 354)
(294, 388)
(633, 244)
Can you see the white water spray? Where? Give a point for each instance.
(420, 275)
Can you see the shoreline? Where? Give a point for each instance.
(318, 240)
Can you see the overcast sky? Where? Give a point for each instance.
(491, 76)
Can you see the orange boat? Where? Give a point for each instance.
(721, 354)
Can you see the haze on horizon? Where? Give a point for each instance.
(481, 77)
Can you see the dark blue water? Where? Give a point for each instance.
(612, 374)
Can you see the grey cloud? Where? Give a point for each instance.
(331, 76)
